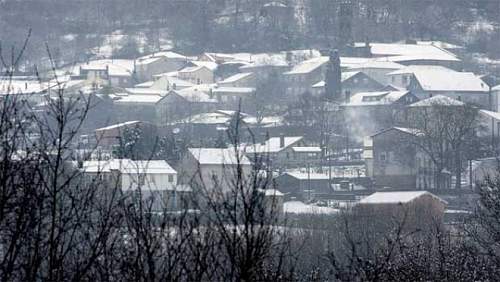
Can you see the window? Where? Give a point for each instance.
(406, 79)
(383, 157)
(170, 178)
(141, 179)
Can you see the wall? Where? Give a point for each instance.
(394, 160)
(210, 176)
(157, 181)
(200, 76)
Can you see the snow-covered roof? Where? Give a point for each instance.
(129, 166)
(146, 91)
(233, 90)
(438, 100)
(149, 166)
(398, 49)
(440, 44)
(296, 207)
(223, 117)
(305, 176)
(396, 197)
(168, 82)
(118, 67)
(146, 84)
(209, 65)
(496, 88)
(275, 4)
(411, 131)
(218, 156)
(162, 54)
(378, 64)
(306, 149)
(118, 125)
(345, 75)
(423, 57)
(169, 74)
(436, 78)
(320, 84)
(137, 99)
(352, 62)
(493, 115)
(272, 145)
(317, 62)
(266, 121)
(375, 98)
(260, 59)
(420, 68)
(308, 66)
(193, 94)
(217, 117)
(236, 77)
(271, 192)
(193, 69)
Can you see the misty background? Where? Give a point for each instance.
(78, 30)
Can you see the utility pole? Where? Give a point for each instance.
(470, 174)
(329, 172)
(309, 181)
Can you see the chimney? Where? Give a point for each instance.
(26, 86)
(210, 93)
(282, 140)
(174, 86)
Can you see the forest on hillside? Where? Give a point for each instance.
(76, 30)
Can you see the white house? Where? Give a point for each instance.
(283, 151)
(409, 54)
(154, 180)
(179, 104)
(378, 69)
(245, 79)
(159, 62)
(214, 168)
(118, 73)
(197, 74)
(412, 209)
(427, 81)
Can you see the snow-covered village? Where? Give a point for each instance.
(237, 140)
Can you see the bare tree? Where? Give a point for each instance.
(443, 131)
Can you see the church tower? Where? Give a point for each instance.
(333, 87)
